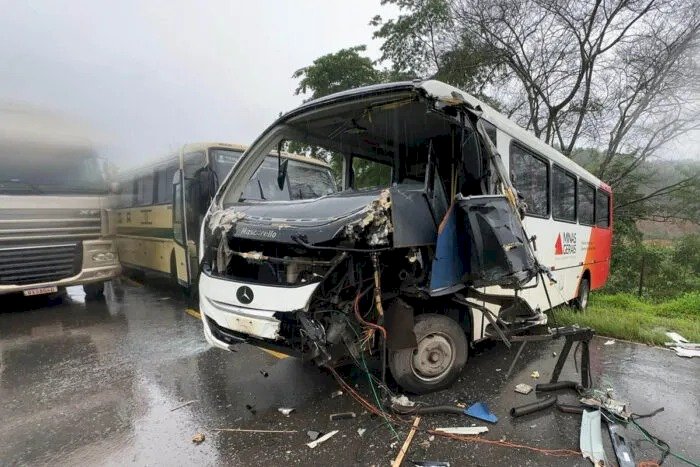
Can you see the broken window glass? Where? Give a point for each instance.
(563, 195)
(530, 176)
(370, 174)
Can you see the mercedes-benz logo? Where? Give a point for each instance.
(244, 294)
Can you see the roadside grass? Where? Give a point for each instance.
(625, 316)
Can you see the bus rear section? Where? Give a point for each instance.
(420, 250)
(57, 227)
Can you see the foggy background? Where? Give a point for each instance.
(152, 75)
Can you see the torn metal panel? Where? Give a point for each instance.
(415, 223)
(591, 438)
(374, 226)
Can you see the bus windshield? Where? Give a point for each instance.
(304, 181)
(51, 174)
(223, 160)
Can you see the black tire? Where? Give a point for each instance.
(580, 303)
(438, 337)
(94, 291)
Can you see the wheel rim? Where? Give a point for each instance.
(433, 357)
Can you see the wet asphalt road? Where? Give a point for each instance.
(95, 384)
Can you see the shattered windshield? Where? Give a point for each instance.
(51, 174)
(303, 181)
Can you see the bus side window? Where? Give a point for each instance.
(194, 161)
(144, 190)
(530, 176)
(602, 209)
(586, 203)
(164, 185)
(563, 195)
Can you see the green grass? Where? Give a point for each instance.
(627, 317)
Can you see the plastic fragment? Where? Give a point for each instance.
(481, 411)
(337, 393)
(609, 342)
(342, 415)
(322, 439)
(198, 438)
(463, 430)
(285, 410)
(361, 431)
(313, 435)
(523, 388)
(535, 374)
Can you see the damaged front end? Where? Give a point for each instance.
(424, 218)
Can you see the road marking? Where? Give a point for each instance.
(196, 314)
(193, 313)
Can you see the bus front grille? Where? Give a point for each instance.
(34, 264)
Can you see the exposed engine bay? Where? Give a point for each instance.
(424, 219)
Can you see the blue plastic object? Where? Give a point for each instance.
(482, 412)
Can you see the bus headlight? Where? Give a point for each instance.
(103, 257)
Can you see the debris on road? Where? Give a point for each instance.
(404, 449)
(677, 338)
(185, 404)
(623, 452)
(285, 411)
(313, 435)
(481, 411)
(361, 431)
(342, 416)
(523, 388)
(264, 373)
(591, 438)
(681, 346)
(535, 374)
(402, 400)
(430, 463)
(609, 342)
(533, 407)
(337, 393)
(322, 439)
(198, 438)
(464, 430)
(245, 430)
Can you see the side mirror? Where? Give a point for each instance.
(282, 173)
(115, 188)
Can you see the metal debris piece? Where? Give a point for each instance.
(535, 374)
(313, 435)
(185, 404)
(322, 439)
(523, 388)
(463, 430)
(198, 438)
(285, 410)
(337, 393)
(609, 342)
(623, 452)
(342, 415)
(591, 438)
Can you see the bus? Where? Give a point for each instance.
(448, 218)
(162, 204)
(56, 222)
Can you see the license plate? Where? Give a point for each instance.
(40, 291)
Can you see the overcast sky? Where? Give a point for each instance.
(155, 74)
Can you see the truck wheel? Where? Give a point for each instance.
(438, 359)
(580, 303)
(94, 291)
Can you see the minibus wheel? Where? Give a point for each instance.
(438, 359)
(584, 290)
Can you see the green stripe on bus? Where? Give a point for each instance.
(157, 232)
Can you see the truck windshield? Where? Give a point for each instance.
(304, 181)
(51, 174)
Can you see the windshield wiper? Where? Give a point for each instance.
(16, 181)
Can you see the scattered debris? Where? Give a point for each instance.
(523, 388)
(535, 374)
(322, 439)
(682, 352)
(342, 415)
(264, 373)
(404, 449)
(245, 430)
(591, 438)
(361, 431)
(481, 411)
(464, 430)
(337, 393)
(251, 409)
(402, 400)
(285, 411)
(609, 342)
(533, 407)
(682, 347)
(313, 435)
(183, 405)
(430, 463)
(554, 354)
(677, 338)
(623, 451)
(198, 438)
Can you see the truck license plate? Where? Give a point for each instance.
(40, 291)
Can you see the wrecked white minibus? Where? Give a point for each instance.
(420, 253)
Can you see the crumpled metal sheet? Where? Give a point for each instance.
(591, 438)
(375, 225)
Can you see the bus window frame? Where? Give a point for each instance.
(573, 176)
(608, 195)
(515, 143)
(595, 195)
